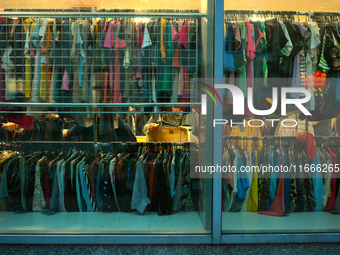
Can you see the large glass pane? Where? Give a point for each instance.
(99, 121)
(281, 142)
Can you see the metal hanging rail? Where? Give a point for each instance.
(255, 138)
(274, 138)
(98, 144)
(76, 105)
(101, 14)
(264, 12)
(309, 14)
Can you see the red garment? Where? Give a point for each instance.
(140, 43)
(175, 61)
(119, 44)
(183, 35)
(331, 201)
(151, 183)
(105, 26)
(251, 47)
(260, 37)
(278, 206)
(309, 143)
(47, 184)
(118, 167)
(24, 121)
(139, 64)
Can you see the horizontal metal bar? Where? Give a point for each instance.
(325, 13)
(327, 137)
(102, 14)
(95, 105)
(263, 12)
(259, 138)
(99, 143)
(47, 142)
(107, 239)
(146, 143)
(111, 112)
(275, 137)
(281, 238)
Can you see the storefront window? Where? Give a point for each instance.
(281, 138)
(98, 128)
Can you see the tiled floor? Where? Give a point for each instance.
(85, 222)
(250, 222)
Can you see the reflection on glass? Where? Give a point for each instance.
(281, 163)
(97, 127)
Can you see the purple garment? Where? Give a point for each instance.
(65, 85)
(303, 30)
(108, 38)
(111, 80)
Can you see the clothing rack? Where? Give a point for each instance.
(97, 144)
(256, 138)
(276, 138)
(264, 12)
(73, 14)
(85, 106)
(15, 104)
(309, 14)
(93, 9)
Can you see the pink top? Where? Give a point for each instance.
(173, 32)
(183, 36)
(251, 46)
(108, 43)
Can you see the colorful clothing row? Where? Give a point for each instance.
(96, 61)
(281, 192)
(295, 53)
(77, 181)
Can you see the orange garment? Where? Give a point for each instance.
(163, 23)
(175, 61)
(308, 142)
